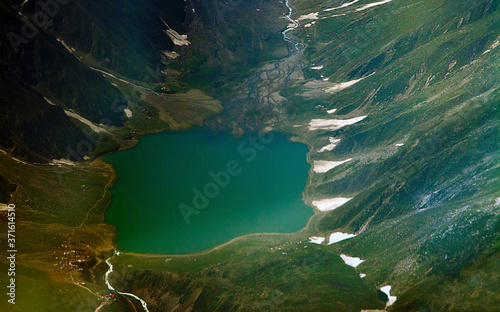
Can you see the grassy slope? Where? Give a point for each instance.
(251, 275)
(51, 205)
(429, 208)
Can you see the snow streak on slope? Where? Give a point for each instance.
(330, 204)
(345, 5)
(177, 39)
(321, 166)
(332, 124)
(339, 236)
(373, 5)
(331, 146)
(351, 261)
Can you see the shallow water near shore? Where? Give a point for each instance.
(186, 192)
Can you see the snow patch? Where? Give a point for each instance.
(86, 121)
(342, 6)
(321, 166)
(13, 158)
(49, 101)
(331, 146)
(119, 79)
(332, 124)
(344, 85)
(399, 144)
(351, 261)
(317, 67)
(70, 50)
(339, 236)
(372, 5)
(171, 54)
(495, 44)
(127, 112)
(387, 291)
(330, 204)
(310, 16)
(61, 162)
(177, 39)
(362, 275)
(4, 207)
(331, 111)
(335, 15)
(316, 240)
(341, 86)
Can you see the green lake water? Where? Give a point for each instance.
(185, 192)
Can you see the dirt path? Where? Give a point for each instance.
(103, 196)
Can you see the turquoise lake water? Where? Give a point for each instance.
(185, 192)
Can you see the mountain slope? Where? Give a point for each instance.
(423, 174)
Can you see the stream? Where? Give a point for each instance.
(263, 83)
(110, 270)
(293, 25)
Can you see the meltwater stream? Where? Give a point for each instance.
(110, 270)
(293, 25)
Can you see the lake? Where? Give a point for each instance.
(185, 192)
